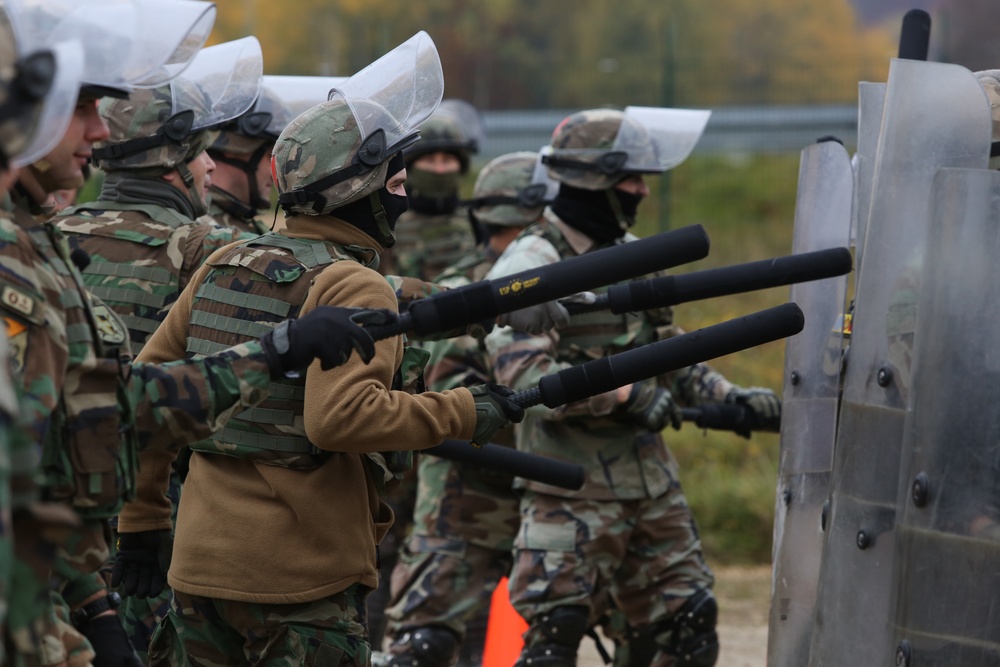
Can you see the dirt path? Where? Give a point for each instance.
(744, 598)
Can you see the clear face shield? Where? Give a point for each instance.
(391, 97)
(124, 41)
(295, 94)
(656, 139)
(48, 79)
(176, 28)
(221, 83)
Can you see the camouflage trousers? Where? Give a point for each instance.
(644, 556)
(49, 640)
(443, 583)
(206, 631)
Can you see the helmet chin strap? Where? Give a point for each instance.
(199, 205)
(249, 169)
(381, 221)
(616, 207)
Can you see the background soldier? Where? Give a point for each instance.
(241, 182)
(628, 532)
(433, 234)
(465, 516)
(315, 459)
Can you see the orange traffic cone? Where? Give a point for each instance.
(504, 630)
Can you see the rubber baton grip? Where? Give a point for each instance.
(462, 306)
(915, 35)
(520, 464)
(383, 331)
(729, 417)
(601, 375)
(725, 281)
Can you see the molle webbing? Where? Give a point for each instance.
(230, 308)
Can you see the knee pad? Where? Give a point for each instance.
(558, 634)
(688, 637)
(429, 646)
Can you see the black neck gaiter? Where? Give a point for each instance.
(359, 213)
(590, 211)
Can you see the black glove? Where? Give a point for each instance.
(764, 404)
(112, 647)
(326, 333)
(141, 563)
(494, 411)
(652, 407)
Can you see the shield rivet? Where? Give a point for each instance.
(884, 377)
(795, 378)
(786, 496)
(903, 654)
(921, 490)
(863, 540)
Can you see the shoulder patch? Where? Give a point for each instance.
(18, 301)
(109, 327)
(17, 343)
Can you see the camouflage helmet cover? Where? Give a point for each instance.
(143, 115)
(990, 81)
(512, 177)
(318, 143)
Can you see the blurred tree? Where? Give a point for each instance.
(510, 54)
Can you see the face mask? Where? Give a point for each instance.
(428, 184)
(394, 205)
(629, 204)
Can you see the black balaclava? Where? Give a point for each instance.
(603, 215)
(363, 212)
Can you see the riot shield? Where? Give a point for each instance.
(871, 101)
(947, 570)
(809, 404)
(935, 116)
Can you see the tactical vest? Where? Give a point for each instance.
(141, 292)
(251, 288)
(599, 334)
(90, 455)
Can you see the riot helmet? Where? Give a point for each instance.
(990, 81)
(164, 128)
(244, 141)
(596, 150)
(455, 128)
(339, 152)
(39, 83)
(510, 191)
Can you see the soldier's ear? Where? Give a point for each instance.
(171, 176)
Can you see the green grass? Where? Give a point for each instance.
(747, 207)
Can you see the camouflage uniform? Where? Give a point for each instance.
(432, 235)
(631, 504)
(144, 245)
(466, 516)
(627, 536)
(68, 350)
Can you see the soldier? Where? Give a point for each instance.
(628, 532)
(435, 232)
(89, 410)
(466, 516)
(35, 82)
(432, 235)
(241, 183)
(141, 236)
(299, 480)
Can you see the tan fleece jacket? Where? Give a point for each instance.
(259, 533)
